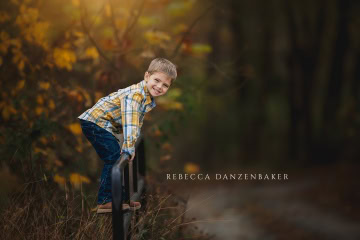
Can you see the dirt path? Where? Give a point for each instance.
(265, 212)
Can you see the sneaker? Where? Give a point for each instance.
(134, 205)
(107, 208)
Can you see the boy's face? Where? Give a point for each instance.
(157, 83)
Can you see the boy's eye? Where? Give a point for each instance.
(156, 80)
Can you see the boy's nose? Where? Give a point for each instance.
(158, 86)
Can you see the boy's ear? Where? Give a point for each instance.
(146, 76)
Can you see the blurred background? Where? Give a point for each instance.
(263, 86)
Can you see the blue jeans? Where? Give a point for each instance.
(108, 149)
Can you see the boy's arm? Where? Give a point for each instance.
(130, 115)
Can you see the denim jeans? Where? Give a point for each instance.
(108, 149)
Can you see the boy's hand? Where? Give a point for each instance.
(132, 158)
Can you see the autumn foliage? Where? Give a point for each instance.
(57, 58)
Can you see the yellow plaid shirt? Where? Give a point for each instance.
(122, 112)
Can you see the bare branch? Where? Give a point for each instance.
(113, 23)
(189, 30)
(93, 41)
(131, 26)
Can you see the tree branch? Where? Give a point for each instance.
(175, 52)
(131, 26)
(113, 23)
(92, 40)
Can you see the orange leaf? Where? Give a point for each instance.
(75, 128)
(59, 179)
(44, 85)
(191, 168)
(76, 179)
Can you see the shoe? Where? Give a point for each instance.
(134, 205)
(107, 208)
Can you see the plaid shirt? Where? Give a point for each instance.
(122, 112)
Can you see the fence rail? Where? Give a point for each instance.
(131, 175)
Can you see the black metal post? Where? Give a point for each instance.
(119, 171)
(141, 155)
(116, 188)
(135, 173)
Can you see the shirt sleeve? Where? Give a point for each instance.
(130, 119)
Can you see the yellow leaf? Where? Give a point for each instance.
(12, 109)
(148, 21)
(75, 128)
(76, 179)
(76, 3)
(157, 133)
(59, 179)
(91, 52)
(21, 65)
(108, 44)
(177, 106)
(16, 42)
(43, 140)
(170, 105)
(64, 58)
(40, 99)
(201, 49)
(5, 42)
(79, 34)
(38, 32)
(79, 149)
(20, 85)
(147, 54)
(174, 93)
(179, 8)
(85, 179)
(51, 104)
(5, 113)
(165, 158)
(44, 85)
(107, 10)
(58, 163)
(79, 98)
(156, 37)
(39, 150)
(191, 168)
(180, 28)
(120, 23)
(166, 146)
(53, 137)
(39, 110)
(4, 17)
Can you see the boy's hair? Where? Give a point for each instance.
(163, 65)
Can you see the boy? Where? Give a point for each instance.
(113, 124)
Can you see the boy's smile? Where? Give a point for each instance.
(157, 83)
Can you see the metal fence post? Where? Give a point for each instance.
(119, 175)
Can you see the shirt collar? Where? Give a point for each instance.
(149, 99)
